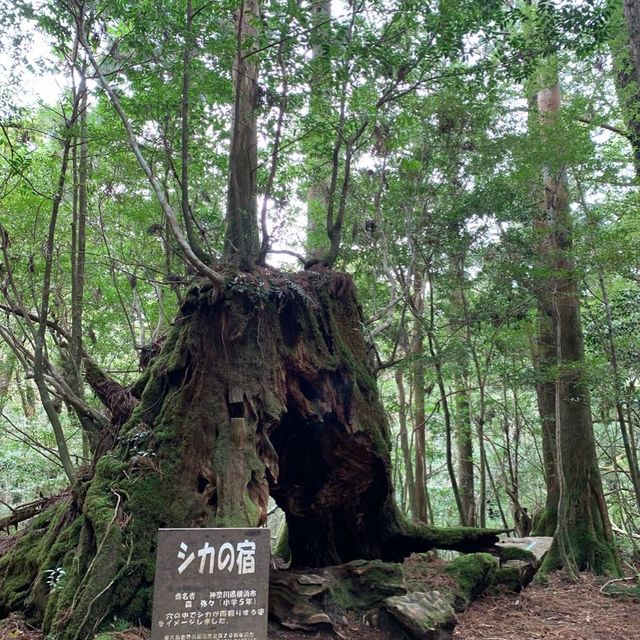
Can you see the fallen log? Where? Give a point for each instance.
(24, 512)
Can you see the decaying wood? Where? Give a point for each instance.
(24, 512)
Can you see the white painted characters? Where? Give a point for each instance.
(242, 558)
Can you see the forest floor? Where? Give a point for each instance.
(560, 610)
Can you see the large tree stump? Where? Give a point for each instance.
(260, 389)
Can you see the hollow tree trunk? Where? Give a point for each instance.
(260, 389)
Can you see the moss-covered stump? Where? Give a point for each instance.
(261, 388)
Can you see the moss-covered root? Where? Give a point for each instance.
(586, 552)
(474, 573)
(623, 588)
(31, 563)
(407, 538)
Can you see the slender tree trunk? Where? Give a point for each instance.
(463, 428)
(318, 153)
(404, 442)
(241, 240)
(464, 444)
(496, 494)
(629, 445)
(39, 366)
(185, 136)
(434, 352)
(78, 261)
(418, 402)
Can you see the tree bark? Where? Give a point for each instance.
(318, 151)
(185, 138)
(464, 443)
(419, 416)
(404, 442)
(544, 355)
(241, 239)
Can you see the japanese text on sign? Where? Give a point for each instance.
(242, 557)
(211, 584)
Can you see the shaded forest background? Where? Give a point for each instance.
(420, 147)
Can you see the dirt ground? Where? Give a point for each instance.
(558, 611)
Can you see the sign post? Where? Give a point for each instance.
(211, 584)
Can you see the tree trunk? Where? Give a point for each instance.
(260, 390)
(318, 152)
(583, 538)
(464, 442)
(404, 442)
(544, 354)
(419, 416)
(241, 240)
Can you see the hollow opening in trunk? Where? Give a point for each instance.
(328, 476)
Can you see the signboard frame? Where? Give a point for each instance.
(211, 584)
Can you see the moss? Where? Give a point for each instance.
(139, 608)
(340, 597)
(544, 523)
(621, 590)
(508, 577)
(589, 551)
(473, 573)
(139, 385)
(22, 584)
(282, 549)
(361, 585)
(507, 553)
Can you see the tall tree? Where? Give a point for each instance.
(583, 537)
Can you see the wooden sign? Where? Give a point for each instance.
(211, 584)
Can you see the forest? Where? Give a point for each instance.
(365, 272)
